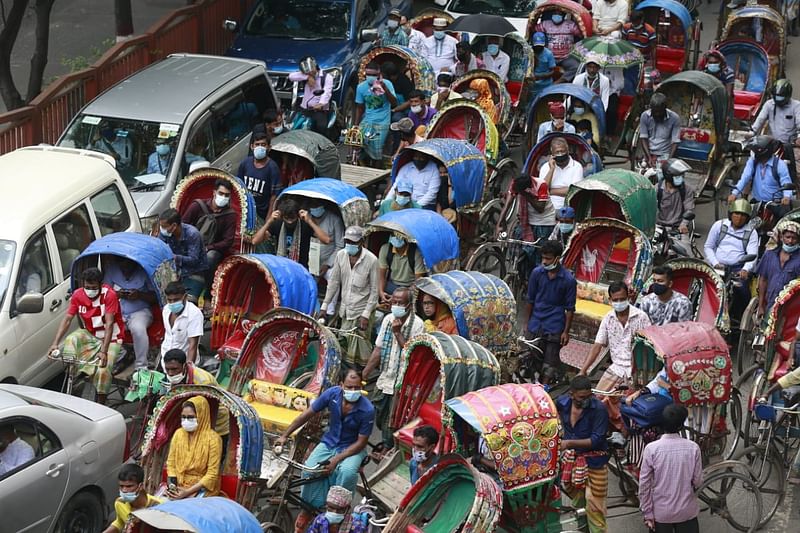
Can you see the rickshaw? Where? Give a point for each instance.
(600, 251)
(408, 62)
(435, 367)
(305, 154)
(568, 93)
(753, 78)
(209, 515)
(759, 24)
(500, 96)
(246, 287)
(429, 231)
(579, 149)
(241, 475)
(677, 35)
(199, 185)
(615, 193)
(544, 11)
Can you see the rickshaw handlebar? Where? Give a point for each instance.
(56, 355)
(503, 237)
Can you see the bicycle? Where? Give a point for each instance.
(503, 258)
(530, 366)
(75, 380)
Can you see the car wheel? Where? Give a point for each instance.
(82, 514)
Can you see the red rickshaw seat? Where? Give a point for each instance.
(745, 104)
(229, 484)
(694, 144)
(430, 414)
(624, 105)
(155, 332)
(670, 60)
(514, 89)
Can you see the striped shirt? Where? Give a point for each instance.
(643, 38)
(92, 312)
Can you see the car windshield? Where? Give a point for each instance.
(7, 249)
(504, 8)
(134, 144)
(300, 19)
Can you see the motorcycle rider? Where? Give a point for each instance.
(766, 173)
(782, 114)
(675, 199)
(316, 95)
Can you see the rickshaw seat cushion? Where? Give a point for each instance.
(695, 135)
(670, 60)
(592, 309)
(276, 404)
(746, 104)
(514, 89)
(694, 150)
(428, 416)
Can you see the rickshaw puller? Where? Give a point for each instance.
(778, 267)
(675, 199)
(782, 114)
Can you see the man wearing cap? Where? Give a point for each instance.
(441, 48)
(408, 134)
(420, 112)
(659, 130)
(374, 100)
(561, 34)
(443, 92)
(544, 64)
(560, 171)
(337, 518)
(354, 282)
(778, 267)
(565, 224)
(595, 81)
(467, 61)
(423, 175)
(401, 200)
(495, 59)
(556, 123)
(416, 39)
(609, 16)
(393, 34)
(316, 93)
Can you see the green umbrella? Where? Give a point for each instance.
(607, 52)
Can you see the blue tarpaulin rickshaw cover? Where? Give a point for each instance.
(434, 236)
(209, 515)
(296, 287)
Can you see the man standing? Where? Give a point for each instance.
(423, 456)
(595, 81)
(778, 267)
(671, 472)
(416, 39)
(544, 64)
(399, 264)
(317, 93)
(375, 98)
(354, 282)
(183, 322)
(551, 295)
(609, 17)
(585, 423)
(190, 252)
(659, 131)
(561, 34)
(495, 59)
(663, 305)
(560, 171)
(396, 329)
(616, 332)
(393, 34)
(261, 175)
(556, 123)
(441, 48)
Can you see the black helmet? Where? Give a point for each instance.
(762, 145)
(674, 167)
(782, 87)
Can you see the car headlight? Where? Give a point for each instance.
(336, 72)
(148, 223)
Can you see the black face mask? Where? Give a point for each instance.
(584, 404)
(538, 49)
(561, 159)
(290, 227)
(420, 164)
(658, 289)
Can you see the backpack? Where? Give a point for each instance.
(723, 231)
(207, 224)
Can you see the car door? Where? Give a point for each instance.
(33, 492)
(232, 119)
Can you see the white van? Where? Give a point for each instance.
(57, 200)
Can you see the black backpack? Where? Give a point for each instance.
(207, 224)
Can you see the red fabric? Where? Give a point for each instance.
(155, 332)
(694, 134)
(746, 104)
(514, 89)
(670, 60)
(92, 311)
(709, 299)
(278, 356)
(538, 189)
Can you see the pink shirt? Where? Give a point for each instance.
(560, 37)
(671, 471)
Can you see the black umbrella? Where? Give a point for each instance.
(482, 25)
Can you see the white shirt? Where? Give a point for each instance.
(619, 338)
(17, 453)
(441, 54)
(562, 177)
(425, 183)
(188, 324)
(607, 14)
(390, 369)
(605, 86)
(497, 64)
(730, 250)
(416, 41)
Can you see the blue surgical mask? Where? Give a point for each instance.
(438, 35)
(677, 181)
(790, 249)
(493, 49)
(162, 149)
(399, 311)
(566, 227)
(351, 249)
(175, 307)
(578, 111)
(779, 99)
(260, 152)
(397, 242)
(352, 396)
(557, 19)
(551, 266)
(619, 307)
(164, 232)
(371, 79)
(402, 201)
(713, 67)
(128, 497)
(334, 518)
(392, 24)
(317, 212)
(277, 130)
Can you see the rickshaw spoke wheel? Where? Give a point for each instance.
(733, 415)
(768, 472)
(754, 430)
(489, 260)
(733, 496)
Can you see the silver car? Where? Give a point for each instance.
(59, 459)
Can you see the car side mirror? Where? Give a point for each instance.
(230, 25)
(30, 304)
(689, 216)
(368, 35)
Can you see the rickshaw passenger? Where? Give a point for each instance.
(136, 298)
(544, 64)
(403, 199)
(560, 171)
(420, 113)
(396, 329)
(437, 315)
(399, 264)
(329, 221)
(778, 267)
(663, 305)
(351, 419)
(675, 198)
(616, 331)
(422, 173)
(190, 254)
(293, 227)
(585, 423)
(393, 34)
(443, 93)
(766, 173)
(639, 33)
(375, 97)
(595, 81)
(408, 134)
(788, 381)
(195, 453)
(260, 175)
(484, 97)
(423, 456)
(440, 48)
(718, 67)
(467, 61)
(565, 224)
(556, 122)
(659, 130)
(183, 322)
(100, 336)
(416, 39)
(495, 59)
(336, 518)
(609, 16)
(132, 497)
(561, 34)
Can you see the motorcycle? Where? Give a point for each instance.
(667, 243)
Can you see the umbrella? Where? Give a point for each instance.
(607, 52)
(482, 25)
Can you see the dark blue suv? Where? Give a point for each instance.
(336, 32)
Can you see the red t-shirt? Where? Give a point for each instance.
(93, 311)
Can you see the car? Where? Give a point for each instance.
(74, 450)
(515, 11)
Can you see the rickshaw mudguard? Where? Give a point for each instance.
(423, 76)
(503, 101)
(153, 255)
(482, 305)
(581, 15)
(539, 154)
(695, 356)
(780, 331)
(314, 148)
(435, 237)
(209, 515)
(631, 195)
(522, 429)
(449, 122)
(353, 204)
(465, 164)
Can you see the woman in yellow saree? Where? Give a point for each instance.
(195, 451)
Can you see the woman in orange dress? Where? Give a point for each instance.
(437, 316)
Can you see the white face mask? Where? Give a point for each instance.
(177, 378)
(222, 201)
(189, 425)
(416, 108)
(419, 456)
(92, 293)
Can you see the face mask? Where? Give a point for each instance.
(260, 152)
(619, 307)
(420, 164)
(221, 201)
(658, 289)
(780, 100)
(277, 130)
(175, 307)
(128, 497)
(399, 311)
(416, 109)
(317, 211)
(352, 249)
(419, 456)
(561, 158)
(557, 19)
(442, 89)
(392, 24)
(92, 293)
(551, 266)
(352, 396)
(189, 425)
(790, 248)
(402, 201)
(566, 227)
(162, 149)
(397, 242)
(585, 403)
(493, 49)
(371, 79)
(438, 35)
(677, 181)
(578, 111)
(177, 378)
(164, 232)
(334, 518)
(713, 67)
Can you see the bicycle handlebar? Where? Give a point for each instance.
(57, 356)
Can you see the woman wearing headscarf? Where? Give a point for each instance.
(437, 316)
(195, 452)
(484, 98)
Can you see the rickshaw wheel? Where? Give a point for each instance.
(745, 354)
(733, 415)
(489, 259)
(283, 523)
(490, 215)
(751, 432)
(347, 112)
(502, 176)
(767, 469)
(729, 492)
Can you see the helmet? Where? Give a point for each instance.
(674, 167)
(308, 65)
(762, 145)
(782, 87)
(740, 206)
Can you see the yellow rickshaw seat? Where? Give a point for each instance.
(277, 405)
(592, 309)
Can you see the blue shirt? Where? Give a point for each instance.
(545, 62)
(777, 277)
(550, 299)
(342, 432)
(138, 281)
(593, 424)
(157, 164)
(413, 468)
(189, 250)
(764, 187)
(262, 182)
(377, 109)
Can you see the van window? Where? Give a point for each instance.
(109, 208)
(35, 268)
(73, 234)
(232, 119)
(200, 147)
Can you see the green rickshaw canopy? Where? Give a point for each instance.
(713, 88)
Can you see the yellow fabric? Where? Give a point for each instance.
(484, 98)
(195, 457)
(201, 377)
(623, 244)
(791, 379)
(592, 309)
(277, 411)
(123, 510)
